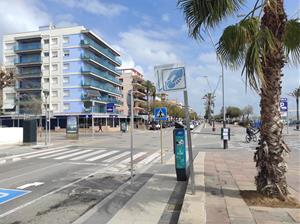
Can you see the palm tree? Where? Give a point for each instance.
(261, 46)
(296, 94)
(209, 102)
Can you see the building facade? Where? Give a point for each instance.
(134, 80)
(75, 67)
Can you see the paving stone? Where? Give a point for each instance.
(295, 215)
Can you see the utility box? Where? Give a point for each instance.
(29, 132)
(180, 153)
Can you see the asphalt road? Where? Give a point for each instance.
(64, 182)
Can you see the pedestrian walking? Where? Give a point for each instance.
(100, 128)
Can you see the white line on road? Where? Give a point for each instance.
(87, 155)
(116, 157)
(101, 156)
(30, 184)
(148, 159)
(60, 153)
(73, 154)
(46, 153)
(134, 157)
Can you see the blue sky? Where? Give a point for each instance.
(147, 33)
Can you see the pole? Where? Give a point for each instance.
(46, 123)
(131, 136)
(189, 138)
(49, 128)
(93, 119)
(161, 144)
(225, 142)
(287, 122)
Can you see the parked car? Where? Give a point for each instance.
(154, 125)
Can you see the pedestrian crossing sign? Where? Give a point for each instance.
(160, 113)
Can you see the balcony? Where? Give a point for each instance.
(103, 75)
(105, 52)
(102, 99)
(29, 75)
(28, 47)
(102, 87)
(101, 62)
(28, 61)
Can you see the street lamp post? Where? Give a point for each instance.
(46, 94)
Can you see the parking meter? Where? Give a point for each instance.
(180, 153)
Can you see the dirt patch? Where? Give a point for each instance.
(253, 198)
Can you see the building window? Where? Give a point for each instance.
(66, 40)
(55, 80)
(46, 67)
(46, 80)
(54, 67)
(46, 41)
(66, 66)
(54, 54)
(55, 107)
(66, 79)
(54, 94)
(66, 106)
(46, 54)
(10, 96)
(66, 92)
(66, 53)
(54, 41)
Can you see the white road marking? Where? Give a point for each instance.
(102, 156)
(88, 155)
(60, 153)
(134, 157)
(148, 159)
(45, 153)
(31, 153)
(30, 184)
(116, 157)
(73, 154)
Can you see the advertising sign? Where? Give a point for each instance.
(110, 107)
(283, 107)
(72, 125)
(180, 150)
(169, 77)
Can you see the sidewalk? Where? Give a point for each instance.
(227, 172)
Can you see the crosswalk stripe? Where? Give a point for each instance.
(116, 157)
(148, 159)
(134, 157)
(45, 153)
(87, 155)
(73, 154)
(37, 152)
(102, 156)
(60, 153)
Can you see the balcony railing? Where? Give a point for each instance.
(104, 75)
(29, 60)
(102, 62)
(101, 86)
(103, 99)
(104, 51)
(28, 47)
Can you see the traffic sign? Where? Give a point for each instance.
(160, 113)
(10, 194)
(170, 77)
(110, 107)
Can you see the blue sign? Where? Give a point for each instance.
(110, 107)
(10, 194)
(283, 105)
(180, 150)
(160, 113)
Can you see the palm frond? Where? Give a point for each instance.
(199, 13)
(292, 40)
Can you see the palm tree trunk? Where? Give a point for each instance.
(269, 157)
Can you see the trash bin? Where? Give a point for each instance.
(29, 132)
(123, 127)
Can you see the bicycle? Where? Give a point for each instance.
(252, 136)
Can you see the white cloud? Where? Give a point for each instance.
(208, 58)
(165, 17)
(95, 7)
(64, 20)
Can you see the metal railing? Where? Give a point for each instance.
(103, 99)
(29, 46)
(101, 86)
(104, 75)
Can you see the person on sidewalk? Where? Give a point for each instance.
(100, 128)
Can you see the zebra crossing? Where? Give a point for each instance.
(92, 155)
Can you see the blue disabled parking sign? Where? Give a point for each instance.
(160, 113)
(10, 194)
